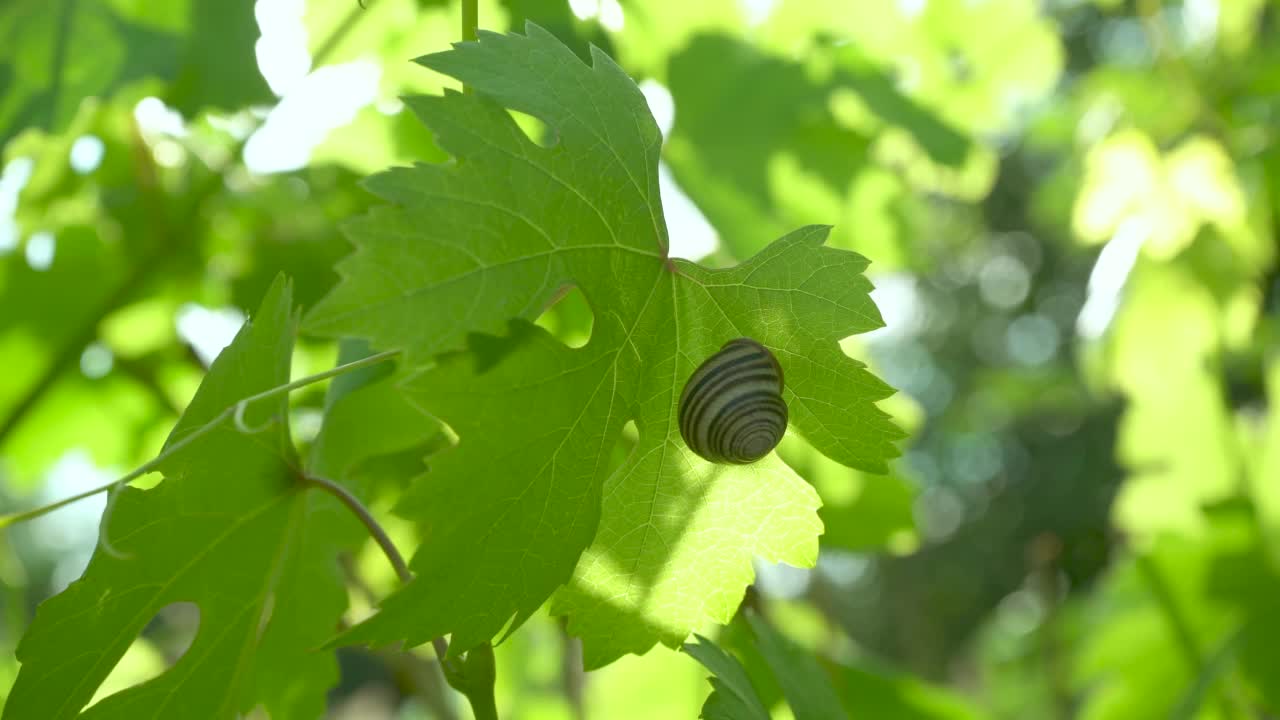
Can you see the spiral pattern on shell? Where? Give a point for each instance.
(731, 410)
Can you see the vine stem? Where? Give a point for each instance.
(239, 408)
(235, 411)
(470, 24)
(366, 518)
(470, 19)
(451, 671)
(383, 540)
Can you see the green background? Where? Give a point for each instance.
(1070, 212)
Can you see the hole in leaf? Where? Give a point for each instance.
(538, 132)
(569, 318)
(162, 643)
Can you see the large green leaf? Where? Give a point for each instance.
(469, 246)
(229, 529)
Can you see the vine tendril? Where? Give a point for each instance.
(232, 412)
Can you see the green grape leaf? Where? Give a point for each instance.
(228, 529)
(733, 697)
(51, 58)
(485, 244)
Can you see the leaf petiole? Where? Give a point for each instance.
(366, 518)
(470, 19)
(235, 412)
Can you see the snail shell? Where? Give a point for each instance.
(731, 410)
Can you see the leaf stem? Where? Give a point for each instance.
(19, 517)
(470, 19)
(476, 680)
(331, 41)
(470, 24)
(461, 675)
(235, 411)
(440, 644)
(366, 518)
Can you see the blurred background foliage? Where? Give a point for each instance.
(1071, 211)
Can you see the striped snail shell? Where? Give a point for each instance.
(731, 410)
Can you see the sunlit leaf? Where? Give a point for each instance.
(467, 247)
